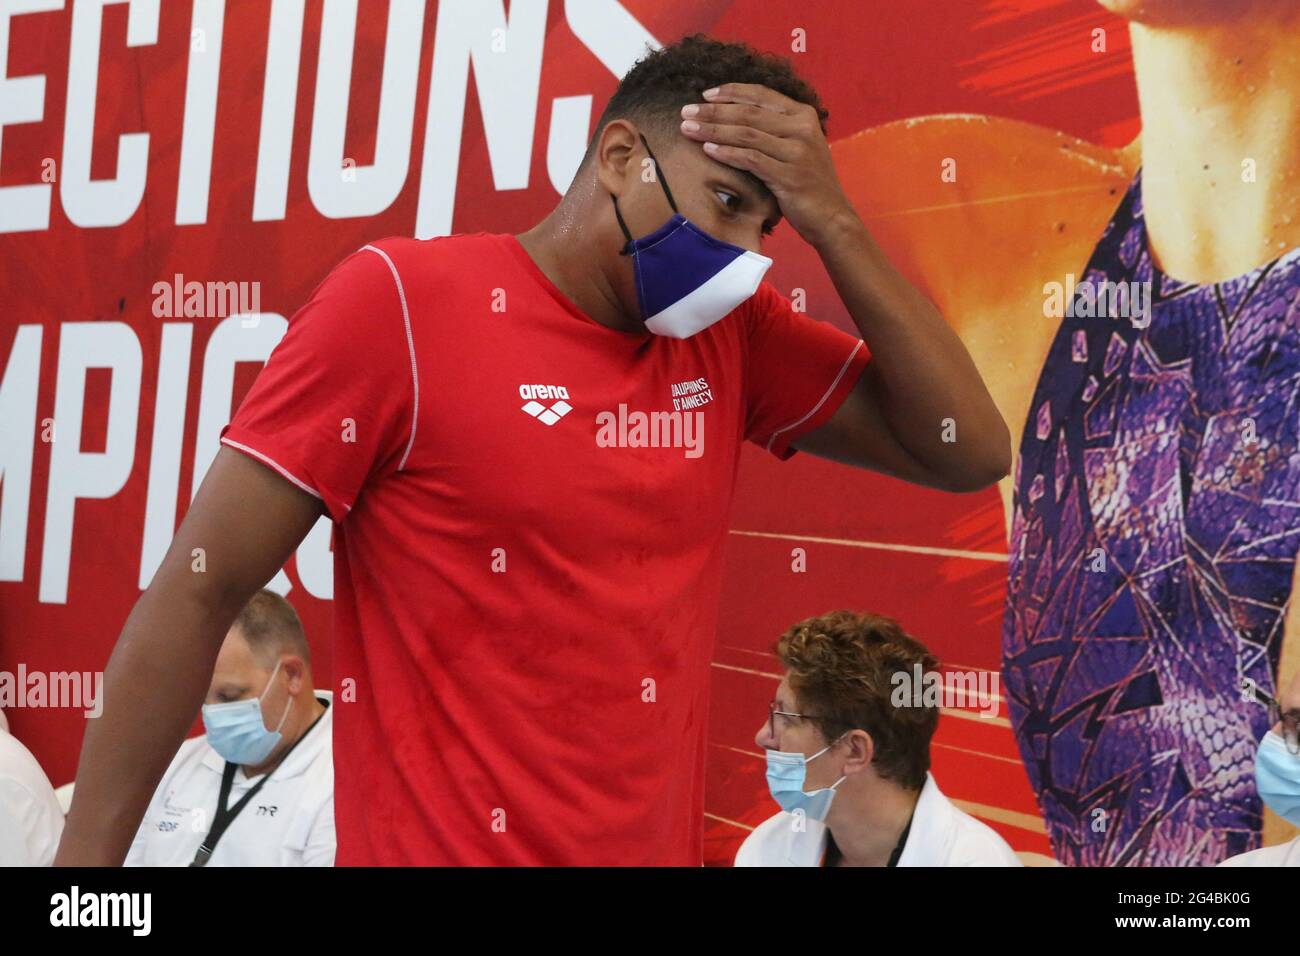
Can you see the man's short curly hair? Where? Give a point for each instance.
(841, 666)
(663, 81)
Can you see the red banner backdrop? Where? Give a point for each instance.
(147, 144)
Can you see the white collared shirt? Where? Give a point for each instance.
(941, 835)
(31, 820)
(1286, 854)
(290, 822)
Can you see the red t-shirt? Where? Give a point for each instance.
(526, 588)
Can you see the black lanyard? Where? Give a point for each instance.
(224, 816)
(902, 842)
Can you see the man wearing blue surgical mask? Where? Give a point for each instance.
(1277, 776)
(258, 788)
(849, 765)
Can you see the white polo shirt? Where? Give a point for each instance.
(290, 822)
(941, 835)
(31, 820)
(1285, 854)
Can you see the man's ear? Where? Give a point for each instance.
(616, 155)
(295, 670)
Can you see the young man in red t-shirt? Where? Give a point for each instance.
(528, 445)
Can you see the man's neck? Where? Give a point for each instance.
(866, 828)
(1220, 143)
(566, 253)
(296, 724)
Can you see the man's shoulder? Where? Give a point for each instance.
(978, 844)
(314, 755)
(392, 280)
(783, 839)
(409, 257)
(20, 771)
(189, 758)
(756, 850)
(191, 754)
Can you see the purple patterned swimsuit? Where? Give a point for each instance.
(1156, 524)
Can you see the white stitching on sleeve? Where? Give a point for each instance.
(267, 460)
(822, 401)
(410, 346)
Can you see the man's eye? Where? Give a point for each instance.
(730, 200)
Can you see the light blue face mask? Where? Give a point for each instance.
(237, 732)
(1277, 775)
(786, 773)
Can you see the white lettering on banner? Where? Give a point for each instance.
(507, 84)
(22, 100)
(103, 202)
(279, 102)
(200, 121)
(372, 188)
(505, 53)
(17, 441)
(74, 473)
(165, 455)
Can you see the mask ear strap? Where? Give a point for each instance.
(285, 716)
(621, 224)
(271, 680)
(663, 180)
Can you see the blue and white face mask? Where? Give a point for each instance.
(786, 773)
(237, 732)
(686, 279)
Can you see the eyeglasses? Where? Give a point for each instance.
(1289, 719)
(773, 713)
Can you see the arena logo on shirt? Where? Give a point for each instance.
(636, 429)
(546, 415)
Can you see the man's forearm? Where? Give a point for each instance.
(923, 374)
(154, 683)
